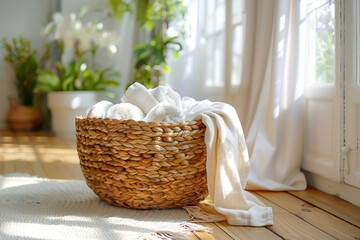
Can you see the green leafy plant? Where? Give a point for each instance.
(75, 76)
(153, 16)
(23, 60)
(151, 60)
(75, 69)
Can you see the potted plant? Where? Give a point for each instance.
(70, 73)
(154, 17)
(22, 114)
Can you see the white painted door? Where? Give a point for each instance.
(352, 93)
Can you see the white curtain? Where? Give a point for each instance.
(189, 72)
(270, 96)
(269, 100)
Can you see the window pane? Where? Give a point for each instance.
(325, 43)
(215, 33)
(210, 16)
(219, 60)
(237, 11)
(209, 67)
(220, 15)
(215, 16)
(237, 55)
(317, 40)
(214, 61)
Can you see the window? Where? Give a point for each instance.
(237, 28)
(213, 33)
(351, 93)
(319, 41)
(317, 32)
(223, 34)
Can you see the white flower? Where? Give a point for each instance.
(100, 26)
(85, 36)
(108, 39)
(58, 18)
(70, 29)
(83, 67)
(112, 48)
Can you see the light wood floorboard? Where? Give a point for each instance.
(309, 214)
(330, 204)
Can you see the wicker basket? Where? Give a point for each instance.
(143, 165)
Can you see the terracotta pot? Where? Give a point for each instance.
(23, 118)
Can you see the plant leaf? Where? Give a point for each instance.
(141, 7)
(110, 83)
(67, 84)
(49, 79)
(114, 4)
(42, 88)
(166, 69)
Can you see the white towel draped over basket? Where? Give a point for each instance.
(227, 156)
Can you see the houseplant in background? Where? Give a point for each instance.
(70, 73)
(22, 114)
(154, 17)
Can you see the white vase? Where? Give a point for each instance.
(66, 106)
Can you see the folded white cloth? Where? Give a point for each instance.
(192, 108)
(161, 104)
(99, 109)
(166, 94)
(138, 95)
(165, 112)
(228, 164)
(125, 111)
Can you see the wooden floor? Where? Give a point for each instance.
(309, 214)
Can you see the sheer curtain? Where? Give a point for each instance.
(269, 99)
(270, 96)
(199, 70)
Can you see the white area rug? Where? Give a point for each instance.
(34, 208)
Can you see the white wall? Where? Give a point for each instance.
(23, 18)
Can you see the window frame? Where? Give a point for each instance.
(228, 86)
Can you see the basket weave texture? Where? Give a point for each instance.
(143, 165)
